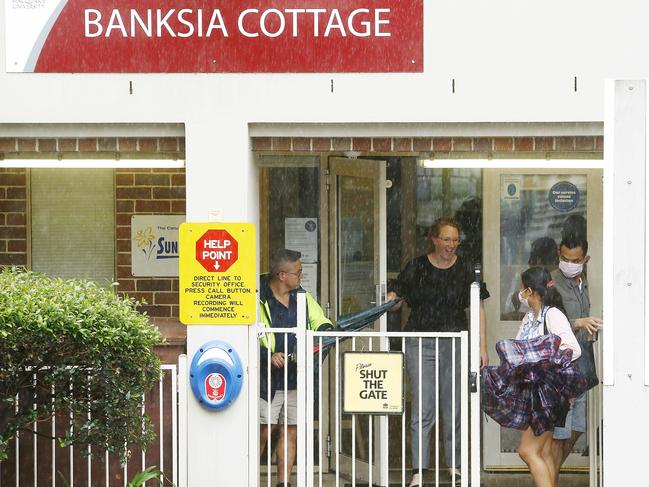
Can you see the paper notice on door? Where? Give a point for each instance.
(301, 234)
(310, 279)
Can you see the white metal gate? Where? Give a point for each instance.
(376, 468)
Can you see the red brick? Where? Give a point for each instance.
(124, 271)
(261, 143)
(462, 144)
(443, 144)
(543, 143)
(178, 179)
(8, 179)
(88, 145)
(523, 144)
(178, 207)
(403, 144)
(281, 143)
(341, 143)
(122, 179)
(3, 219)
(483, 144)
(126, 285)
(13, 232)
(143, 206)
(363, 144)
(26, 145)
(17, 245)
(166, 298)
(153, 284)
(125, 206)
(321, 143)
(123, 245)
(16, 219)
(132, 193)
(181, 144)
(13, 259)
(3, 193)
(175, 285)
(107, 144)
(382, 145)
(139, 297)
(585, 143)
(301, 143)
(152, 179)
(12, 206)
(127, 144)
(67, 145)
(16, 193)
(155, 310)
(8, 145)
(148, 145)
(123, 219)
(424, 144)
(3, 246)
(175, 193)
(503, 144)
(47, 145)
(168, 144)
(123, 232)
(124, 259)
(599, 143)
(175, 311)
(565, 143)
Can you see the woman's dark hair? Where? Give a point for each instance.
(537, 279)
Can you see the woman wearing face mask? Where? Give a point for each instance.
(532, 388)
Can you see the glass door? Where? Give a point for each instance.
(358, 275)
(525, 213)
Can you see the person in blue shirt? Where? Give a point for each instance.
(278, 309)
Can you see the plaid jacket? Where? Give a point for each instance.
(533, 384)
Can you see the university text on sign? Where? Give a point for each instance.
(278, 36)
(217, 273)
(373, 383)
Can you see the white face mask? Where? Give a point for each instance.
(570, 269)
(524, 302)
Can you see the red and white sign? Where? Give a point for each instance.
(217, 250)
(214, 36)
(215, 387)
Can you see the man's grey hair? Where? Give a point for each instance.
(281, 257)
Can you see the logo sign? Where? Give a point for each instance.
(276, 36)
(373, 383)
(215, 387)
(218, 274)
(563, 196)
(154, 245)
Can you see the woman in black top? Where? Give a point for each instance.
(436, 286)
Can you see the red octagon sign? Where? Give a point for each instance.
(217, 250)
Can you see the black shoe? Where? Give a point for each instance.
(282, 484)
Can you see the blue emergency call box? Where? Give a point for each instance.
(216, 375)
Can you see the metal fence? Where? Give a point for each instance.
(36, 459)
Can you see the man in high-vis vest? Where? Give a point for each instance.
(278, 309)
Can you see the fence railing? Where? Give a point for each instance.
(36, 459)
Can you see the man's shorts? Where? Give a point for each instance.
(277, 408)
(575, 421)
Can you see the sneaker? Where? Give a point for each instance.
(416, 480)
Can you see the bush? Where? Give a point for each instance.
(72, 347)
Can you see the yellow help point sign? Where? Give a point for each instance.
(218, 274)
(373, 383)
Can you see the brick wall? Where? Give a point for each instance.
(478, 145)
(13, 217)
(146, 192)
(154, 191)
